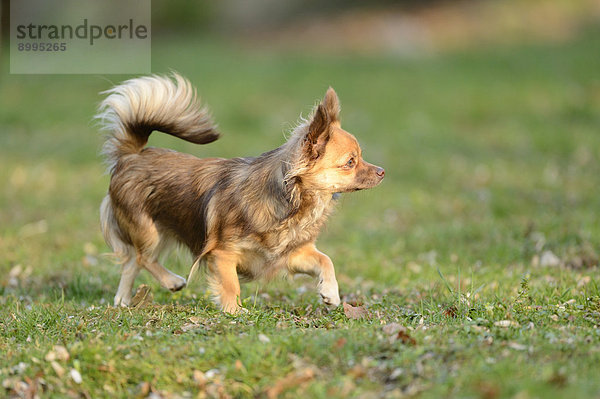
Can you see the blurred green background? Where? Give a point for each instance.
(485, 115)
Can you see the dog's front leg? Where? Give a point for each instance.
(309, 260)
(223, 281)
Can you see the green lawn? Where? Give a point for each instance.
(492, 165)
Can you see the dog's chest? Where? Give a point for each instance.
(301, 228)
(264, 255)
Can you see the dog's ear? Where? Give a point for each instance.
(331, 102)
(326, 113)
(318, 134)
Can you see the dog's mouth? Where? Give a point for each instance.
(365, 185)
(367, 178)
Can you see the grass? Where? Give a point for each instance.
(491, 161)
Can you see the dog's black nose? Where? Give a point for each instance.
(380, 172)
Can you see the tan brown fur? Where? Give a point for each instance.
(245, 218)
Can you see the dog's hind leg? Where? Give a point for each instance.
(123, 251)
(149, 243)
(165, 277)
(144, 245)
(129, 272)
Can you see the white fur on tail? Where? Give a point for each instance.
(138, 106)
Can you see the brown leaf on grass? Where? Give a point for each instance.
(291, 380)
(108, 368)
(488, 390)
(451, 311)
(340, 343)
(406, 338)
(358, 371)
(355, 312)
(558, 379)
(398, 332)
(143, 297)
(392, 328)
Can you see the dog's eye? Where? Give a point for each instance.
(350, 163)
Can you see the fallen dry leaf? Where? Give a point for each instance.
(58, 369)
(358, 371)
(200, 378)
(109, 368)
(19, 388)
(405, 338)
(340, 343)
(190, 326)
(517, 346)
(291, 380)
(398, 332)
(488, 390)
(584, 281)
(451, 311)
(506, 323)
(355, 312)
(216, 390)
(144, 389)
(58, 352)
(392, 328)
(263, 338)
(143, 296)
(548, 259)
(239, 366)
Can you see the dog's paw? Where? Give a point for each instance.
(174, 283)
(331, 300)
(233, 308)
(122, 300)
(330, 293)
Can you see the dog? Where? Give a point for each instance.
(244, 218)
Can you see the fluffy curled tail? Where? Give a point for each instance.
(139, 106)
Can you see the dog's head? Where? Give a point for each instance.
(332, 155)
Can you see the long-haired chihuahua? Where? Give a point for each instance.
(244, 218)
